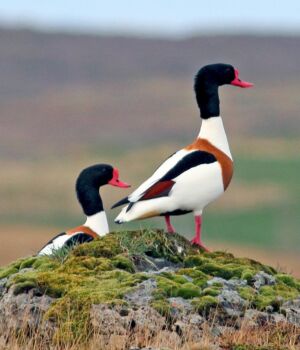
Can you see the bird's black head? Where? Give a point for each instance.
(207, 81)
(89, 182)
(214, 74)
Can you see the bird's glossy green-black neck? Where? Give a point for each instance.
(88, 184)
(207, 82)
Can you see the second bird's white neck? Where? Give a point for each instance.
(98, 223)
(212, 129)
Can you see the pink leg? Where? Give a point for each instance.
(170, 228)
(197, 239)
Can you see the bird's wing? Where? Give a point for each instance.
(162, 181)
(159, 173)
(156, 176)
(77, 235)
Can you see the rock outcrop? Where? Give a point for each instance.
(149, 280)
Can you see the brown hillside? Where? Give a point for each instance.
(60, 90)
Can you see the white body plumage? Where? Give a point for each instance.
(193, 189)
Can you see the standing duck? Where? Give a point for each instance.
(88, 184)
(196, 175)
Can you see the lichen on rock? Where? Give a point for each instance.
(124, 272)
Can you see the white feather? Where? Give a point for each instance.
(56, 244)
(192, 191)
(158, 174)
(98, 223)
(212, 129)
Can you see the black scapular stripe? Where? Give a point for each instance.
(189, 161)
(121, 202)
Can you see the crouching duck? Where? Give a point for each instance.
(88, 185)
(196, 175)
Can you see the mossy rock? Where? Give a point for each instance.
(105, 270)
(212, 291)
(205, 303)
(274, 296)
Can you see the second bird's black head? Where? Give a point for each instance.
(89, 182)
(207, 82)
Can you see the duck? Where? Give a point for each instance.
(197, 174)
(88, 185)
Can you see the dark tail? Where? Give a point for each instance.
(121, 202)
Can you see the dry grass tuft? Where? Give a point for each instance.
(247, 337)
(269, 336)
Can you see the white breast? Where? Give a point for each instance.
(212, 129)
(98, 223)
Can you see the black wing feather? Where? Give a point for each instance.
(121, 202)
(191, 160)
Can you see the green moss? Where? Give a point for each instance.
(107, 247)
(217, 284)
(103, 271)
(162, 306)
(22, 282)
(224, 271)
(188, 291)
(199, 278)
(248, 275)
(72, 310)
(155, 244)
(288, 280)
(192, 272)
(10, 270)
(254, 265)
(212, 291)
(194, 260)
(200, 282)
(123, 263)
(204, 303)
(27, 263)
(85, 265)
(219, 255)
(225, 265)
(45, 263)
(175, 286)
(274, 295)
(24, 287)
(174, 277)
(16, 266)
(248, 293)
(166, 287)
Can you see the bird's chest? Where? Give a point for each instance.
(227, 170)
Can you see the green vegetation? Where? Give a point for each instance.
(263, 225)
(204, 303)
(104, 270)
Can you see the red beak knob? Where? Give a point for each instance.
(240, 83)
(115, 180)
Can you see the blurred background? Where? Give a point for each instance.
(88, 82)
